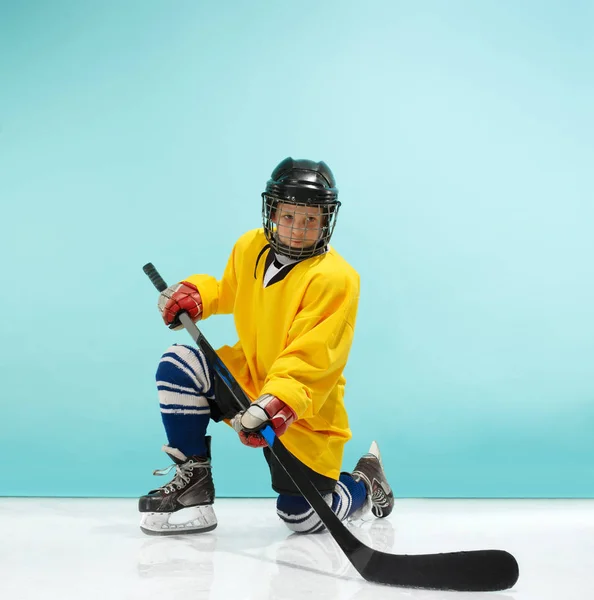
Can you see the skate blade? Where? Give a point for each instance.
(196, 519)
(374, 449)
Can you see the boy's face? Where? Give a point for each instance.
(298, 226)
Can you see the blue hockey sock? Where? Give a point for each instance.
(184, 382)
(349, 496)
(186, 432)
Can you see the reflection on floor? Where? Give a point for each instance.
(92, 549)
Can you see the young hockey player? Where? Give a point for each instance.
(294, 301)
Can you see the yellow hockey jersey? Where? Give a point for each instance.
(295, 335)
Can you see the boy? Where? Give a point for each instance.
(294, 300)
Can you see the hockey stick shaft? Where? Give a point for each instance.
(480, 570)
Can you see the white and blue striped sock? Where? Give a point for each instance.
(348, 497)
(185, 382)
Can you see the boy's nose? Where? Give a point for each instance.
(299, 228)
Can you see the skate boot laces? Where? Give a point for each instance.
(183, 474)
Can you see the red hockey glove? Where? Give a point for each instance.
(266, 410)
(179, 297)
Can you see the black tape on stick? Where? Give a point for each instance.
(154, 276)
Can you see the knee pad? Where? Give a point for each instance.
(185, 368)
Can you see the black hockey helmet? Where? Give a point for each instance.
(304, 183)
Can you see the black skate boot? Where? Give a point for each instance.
(184, 505)
(379, 494)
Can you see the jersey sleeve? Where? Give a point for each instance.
(218, 296)
(318, 345)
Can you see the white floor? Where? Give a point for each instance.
(83, 549)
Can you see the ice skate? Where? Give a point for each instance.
(184, 505)
(370, 470)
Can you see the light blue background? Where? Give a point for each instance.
(461, 135)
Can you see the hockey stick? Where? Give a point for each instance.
(477, 570)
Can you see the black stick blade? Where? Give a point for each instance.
(475, 571)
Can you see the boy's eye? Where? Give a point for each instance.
(312, 219)
(287, 217)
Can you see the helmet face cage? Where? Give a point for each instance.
(299, 229)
